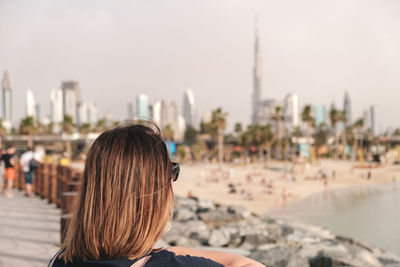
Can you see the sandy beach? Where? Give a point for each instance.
(265, 187)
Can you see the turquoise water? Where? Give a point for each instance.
(367, 214)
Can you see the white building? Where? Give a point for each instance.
(291, 111)
(71, 99)
(87, 113)
(56, 106)
(189, 108)
(142, 107)
(156, 113)
(30, 105)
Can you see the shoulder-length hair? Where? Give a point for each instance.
(125, 197)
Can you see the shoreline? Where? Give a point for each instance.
(264, 190)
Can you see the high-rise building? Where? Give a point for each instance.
(71, 99)
(189, 108)
(347, 109)
(320, 115)
(56, 106)
(257, 78)
(142, 107)
(7, 100)
(291, 111)
(156, 113)
(37, 109)
(30, 104)
(372, 120)
(87, 113)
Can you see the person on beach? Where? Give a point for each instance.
(29, 161)
(9, 173)
(125, 205)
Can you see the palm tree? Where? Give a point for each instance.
(84, 129)
(277, 116)
(238, 128)
(357, 126)
(306, 117)
(68, 126)
(28, 126)
(334, 118)
(267, 138)
(100, 125)
(168, 133)
(3, 132)
(343, 120)
(218, 121)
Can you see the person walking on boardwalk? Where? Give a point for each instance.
(29, 161)
(2, 171)
(125, 205)
(9, 161)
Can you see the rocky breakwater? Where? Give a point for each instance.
(207, 225)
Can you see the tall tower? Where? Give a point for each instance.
(189, 108)
(257, 76)
(347, 108)
(7, 98)
(71, 99)
(30, 105)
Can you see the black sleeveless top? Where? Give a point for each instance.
(162, 258)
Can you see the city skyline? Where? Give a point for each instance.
(317, 50)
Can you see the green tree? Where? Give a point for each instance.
(190, 136)
(100, 125)
(168, 133)
(3, 133)
(68, 126)
(307, 117)
(85, 128)
(357, 127)
(218, 123)
(277, 116)
(28, 126)
(334, 118)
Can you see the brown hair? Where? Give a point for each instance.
(125, 197)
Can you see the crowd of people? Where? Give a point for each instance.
(29, 162)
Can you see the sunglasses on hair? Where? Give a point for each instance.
(175, 171)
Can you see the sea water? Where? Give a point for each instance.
(370, 215)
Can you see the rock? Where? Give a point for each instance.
(205, 205)
(184, 214)
(190, 229)
(253, 241)
(219, 237)
(279, 256)
(217, 218)
(240, 211)
(188, 203)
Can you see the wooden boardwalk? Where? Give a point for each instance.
(29, 230)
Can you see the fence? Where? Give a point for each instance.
(57, 184)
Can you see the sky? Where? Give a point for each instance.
(117, 49)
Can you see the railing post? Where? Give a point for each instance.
(52, 183)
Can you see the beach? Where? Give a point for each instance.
(264, 187)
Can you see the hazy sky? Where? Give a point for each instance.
(118, 49)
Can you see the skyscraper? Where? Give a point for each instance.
(347, 108)
(372, 120)
(7, 99)
(320, 115)
(156, 114)
(30, 104)
(56, 106)
(189, 108)
(257, 77)
(142, 107)
(71, 99)
(291, 111)
(87, 113)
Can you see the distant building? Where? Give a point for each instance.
(170, 116)
(320, 116)
(71, 99)
(347, 109)
(267, 110)
(87, 113)
(56, 106)
(156, 112)
(206, 117)
(189, 108)
(142, 107)
(7, 100)
(37, 109)
(30, 105)
(257, 106)
(372, 120)
(291, 111)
